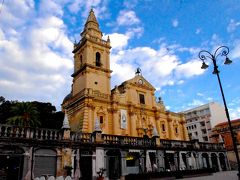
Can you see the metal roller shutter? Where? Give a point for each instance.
(45, 162)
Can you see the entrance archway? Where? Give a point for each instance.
(169, 162)
(214, 162)
(86, 164)
(222, 159)
(11, 162)
(205, 160)
(114, 164)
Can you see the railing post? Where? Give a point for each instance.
(97, 137)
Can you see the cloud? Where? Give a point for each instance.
(161, 67)
(99, 6)
(50, 7)
(195, 103)
(189, 69)
(198, 31)
(130, 4)
(118, 41)
(136, 31)
(235, 53)
(200, 94)
(175, 23)
(14, 13)
(234, 109)
(233, 25)
(36, 57)
(127, 18)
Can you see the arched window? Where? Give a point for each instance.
(80, 60)
(98, 59)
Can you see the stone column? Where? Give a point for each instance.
(227, 162)
(123, 164)
(94, 171)
(169, 125)
(210, 160)
(29, 156)
(73, 163)
(132, 122)
(59, 162)
(77, 173)
(160, 160)
(85, 119)
(219, 164)
(200, 161)
(91, 117)
(116, 122)
(176, 156)
(99, 159)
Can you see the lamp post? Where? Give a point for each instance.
(220, 51)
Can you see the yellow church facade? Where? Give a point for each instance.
(115, 133)
(130, 109)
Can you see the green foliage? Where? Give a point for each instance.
(43, 115)
(101, 172)
(24, 114)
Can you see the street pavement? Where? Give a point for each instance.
(223, 175)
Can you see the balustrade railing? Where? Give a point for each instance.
(130, 141)
(8, 132)
(82, 137)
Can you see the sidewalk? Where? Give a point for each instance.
(223, 175)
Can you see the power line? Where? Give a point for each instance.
(1, 6)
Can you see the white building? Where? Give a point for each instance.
(200, 120)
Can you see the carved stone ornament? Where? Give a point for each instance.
(65, 122)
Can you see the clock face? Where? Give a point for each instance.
(140, 81)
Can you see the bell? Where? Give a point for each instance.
(227, 61)
(204, 65)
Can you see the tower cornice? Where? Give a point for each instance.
(86, 65)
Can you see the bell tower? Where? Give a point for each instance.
(90, 95)
(91, 59)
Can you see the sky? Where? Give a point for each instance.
(162, 37)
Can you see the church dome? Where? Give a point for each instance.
(67, 97)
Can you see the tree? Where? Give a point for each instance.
(24, 114)
(11, 113)
(2, 100)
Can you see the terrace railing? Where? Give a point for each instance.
(9, 133)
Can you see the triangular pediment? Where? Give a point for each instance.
(140, 82)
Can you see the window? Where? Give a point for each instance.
(141, 98)
(204, 131)
(176, 130)
(163, 127)
(98, 59)
(101, 119)
(80, 60)
(202, 123)
(205, 138)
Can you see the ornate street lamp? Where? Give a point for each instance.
(220, 51)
